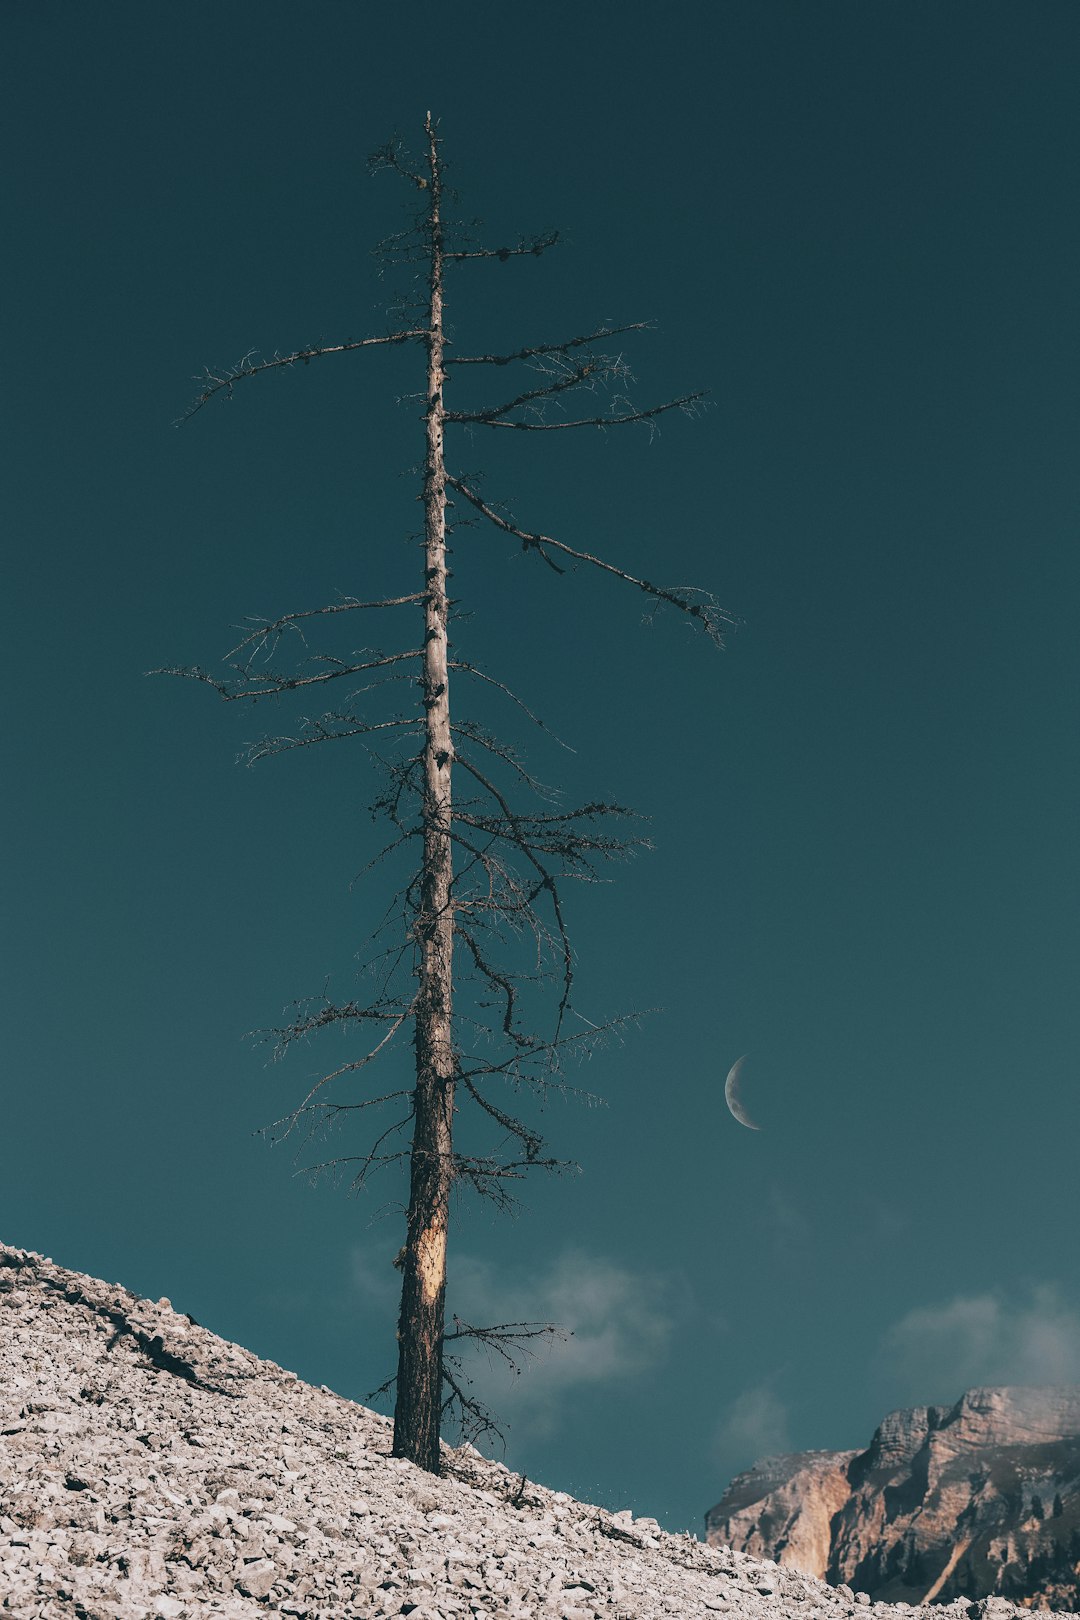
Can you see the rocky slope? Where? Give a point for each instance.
(980, 1499)
(152, 1471)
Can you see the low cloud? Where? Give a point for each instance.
(935, 1352)
(755, 1425)
(790, 1229)
(615, 1324)
(374, 1280)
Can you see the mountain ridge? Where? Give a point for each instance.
(981, 1499)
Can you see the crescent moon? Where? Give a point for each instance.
(732, 1097)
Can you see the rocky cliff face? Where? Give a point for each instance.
(976, 1500)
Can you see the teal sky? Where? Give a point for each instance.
(857, 225)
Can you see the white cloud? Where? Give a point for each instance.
(616, 1323)
(755, 1425)
(792, 1234)
(374, 1279)
(936, 1352)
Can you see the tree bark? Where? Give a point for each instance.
(418, 1403)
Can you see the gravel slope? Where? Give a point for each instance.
(149, 1468)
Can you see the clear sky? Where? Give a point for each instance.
(857, 225)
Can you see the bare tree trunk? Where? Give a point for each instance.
(420, 1325)
(515, 859)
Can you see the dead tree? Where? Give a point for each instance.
(489, 873)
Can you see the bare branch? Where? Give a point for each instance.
(530, 1140)
(247, 367)
(545, 348)
(489, 1179)
(506, 1337)
(534, 246)
(330, 1110)
(392, 155)
(510, 1341)
(481, 675)
(682, 404)
(383, 1389)
(499, 750)
(350, 1012)
(322, 730)
(559, 386)
(547, 881)
(700, 605)
(474, 1419)
(271, 684)
(267, 628)
(566, 842)
(346, 1068)
(529, 541)
(515, 1070)
(372, 1160)
(502, 982)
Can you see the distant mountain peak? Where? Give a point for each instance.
(979, 1499)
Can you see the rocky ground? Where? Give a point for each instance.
(149, 1468)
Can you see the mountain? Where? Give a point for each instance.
(977, 1500)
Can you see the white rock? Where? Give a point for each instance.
(257, 1578)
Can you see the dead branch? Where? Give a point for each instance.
(474, 1419)
(247, 367)
(272, 628)
(506, 1337)
(546, 348)
(502, 981)
(330, 727)
(477, 734)
(700, 605)
(488, 1178)
(392, 155)
(327, 1108)
(529, 540)
(347, 1068)
(580, 376)
(481, 675)
(510, 1341)
(515, 1068)
(547, 881)
(272, 684)
(369, 1161)
(533, 245)
(306, 1024)
(682, 404)
(530, 1140)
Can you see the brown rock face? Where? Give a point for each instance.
(976, 1500)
